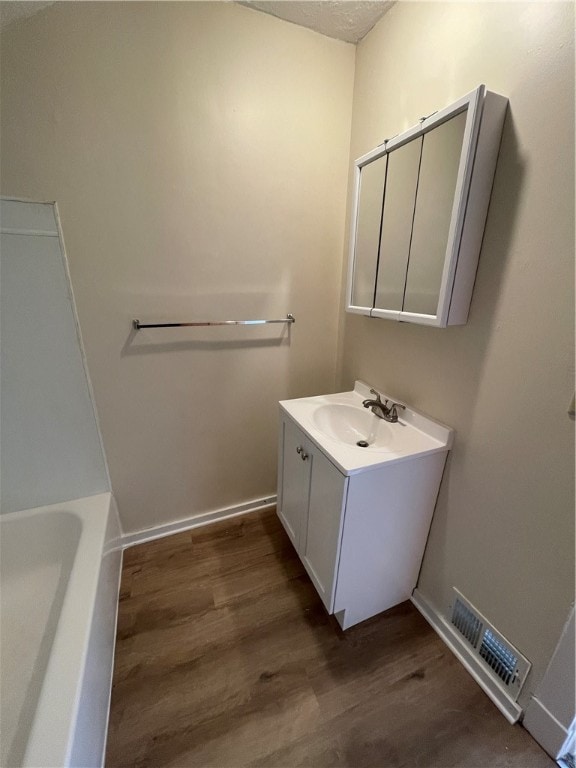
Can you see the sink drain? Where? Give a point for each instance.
(362, 444)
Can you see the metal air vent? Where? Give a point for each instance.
(504, 662)
(466, 622)
(499, 657)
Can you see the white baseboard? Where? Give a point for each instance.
(545, 728)
(550, 714)
(160, 531)
(509, 708)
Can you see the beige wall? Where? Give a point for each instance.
(503, 530)
(198, 153)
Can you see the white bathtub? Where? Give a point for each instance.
(60, 568)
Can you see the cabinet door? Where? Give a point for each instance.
(396, 231)
(321, 534)
(436, 209)
(294, 480)
(370, 192)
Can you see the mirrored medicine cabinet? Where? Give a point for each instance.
(420, 205)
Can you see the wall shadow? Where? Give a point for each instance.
(419, 360)
(144, 342)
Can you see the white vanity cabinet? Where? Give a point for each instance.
(419, 210)
(359, 531)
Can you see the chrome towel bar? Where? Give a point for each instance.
(136, 324)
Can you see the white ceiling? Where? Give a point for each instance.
(343, 19)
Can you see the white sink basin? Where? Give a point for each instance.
(355, 439)
(354, 426)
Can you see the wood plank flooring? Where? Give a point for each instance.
(226, 658)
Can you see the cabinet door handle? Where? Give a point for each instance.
(302, 453)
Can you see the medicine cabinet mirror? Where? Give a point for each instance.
(419, 211)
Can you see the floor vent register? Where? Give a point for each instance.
(504, 662)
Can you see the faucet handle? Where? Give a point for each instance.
(392, 409)
(373, 392)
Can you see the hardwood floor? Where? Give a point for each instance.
(225, 657)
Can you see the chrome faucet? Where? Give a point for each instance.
(382, 409)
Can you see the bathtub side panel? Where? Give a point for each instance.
(89, 742)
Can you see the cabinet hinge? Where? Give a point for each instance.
(383, 143)
(422, 119)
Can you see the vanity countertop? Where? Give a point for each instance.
(336, 423)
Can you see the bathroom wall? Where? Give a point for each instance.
(51, 448)
(198, 153)
(503, 530)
